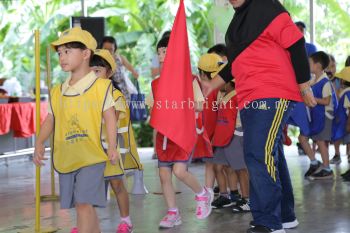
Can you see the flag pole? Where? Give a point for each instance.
(37, 226)
(53, 196)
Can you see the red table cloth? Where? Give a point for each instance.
(20, 117)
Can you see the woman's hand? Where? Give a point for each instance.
(209, 86)
(307, 94)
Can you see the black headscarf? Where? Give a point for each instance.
(248, 22)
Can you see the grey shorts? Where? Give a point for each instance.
(83, 186)
(346, 139)
(208, 160)
(231, 155)
(171, 164)
(326, 133)
(117, 177)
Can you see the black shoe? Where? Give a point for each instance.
(312, 169)
(234, 196)
(252, 224)
(300, 149)
(335, 160)
(347, 173)
(216, 190)
(221, 202)
(263, 229)
(242, 206)
(323, 175)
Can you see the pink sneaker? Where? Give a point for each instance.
(74, 230)
(170, 220)
(125, 228)
(203, 205)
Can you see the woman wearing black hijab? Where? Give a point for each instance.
(268, 60)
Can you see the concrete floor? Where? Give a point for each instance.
(321, 206)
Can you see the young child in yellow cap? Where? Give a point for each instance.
(77, 109)
(228, 153)
(208, 66)
(342, 119)
(103, 64)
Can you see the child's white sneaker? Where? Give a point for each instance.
(204, 208)
(170, 220)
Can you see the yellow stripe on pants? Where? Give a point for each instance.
(269, 160)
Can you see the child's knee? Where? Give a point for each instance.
(302, 138)
(165, 175)
(209, 166)
(118, 186)
(229, 170)
(83, 207)
(242, 172)
(218, 168)
(180, 172)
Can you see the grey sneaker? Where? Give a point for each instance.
(335, 160)
(312, 169)
(323, 174)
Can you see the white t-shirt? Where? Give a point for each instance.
(327, 91)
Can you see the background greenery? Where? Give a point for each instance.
(137, 25)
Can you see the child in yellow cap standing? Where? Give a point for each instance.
(209, 65)
(342, 120)
(77, 109)
(104, 66)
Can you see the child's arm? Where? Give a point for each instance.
(129, 67)
(198, 97)
(45, 132)
(324, 101)
(348, 123)
(110, 119)
(326, 95)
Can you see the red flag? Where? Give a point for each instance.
(173, 112)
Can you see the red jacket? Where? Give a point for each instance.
(225, 123)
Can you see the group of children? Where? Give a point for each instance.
(219, 144)
(327, 121)
(93, 141)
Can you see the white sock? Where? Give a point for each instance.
(173, 210)
(202, 193)
(126, 219)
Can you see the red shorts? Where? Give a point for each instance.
(172, 152)
(203, 148)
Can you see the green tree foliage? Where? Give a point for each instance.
(137, 25)
(332, 20)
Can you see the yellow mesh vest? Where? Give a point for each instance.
(78, 124)
(126, 139)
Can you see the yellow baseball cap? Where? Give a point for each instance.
(105, 54)
(212, 63)
(76, 34)
(344, 74)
